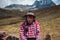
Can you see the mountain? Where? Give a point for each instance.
(5, 13)
(43, 3)
(37, 4)
(17, 6)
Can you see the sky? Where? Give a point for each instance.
(4, 3)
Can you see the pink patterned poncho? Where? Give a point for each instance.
(33, 31)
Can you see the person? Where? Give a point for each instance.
(30, 29)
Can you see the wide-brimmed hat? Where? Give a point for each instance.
(30, 14)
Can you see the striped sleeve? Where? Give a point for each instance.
(38, 36)
(22, 37)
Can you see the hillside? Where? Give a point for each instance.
(37, 4)
(49, 19)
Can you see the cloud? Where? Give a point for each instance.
(24, 2)
(56, 1)
(4, 3)
(16, 1)
(30, 2)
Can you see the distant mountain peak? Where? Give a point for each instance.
(43, 3)
(37, 4)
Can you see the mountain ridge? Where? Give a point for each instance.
(49, 13)
(37, 4)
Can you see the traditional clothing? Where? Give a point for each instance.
(30, 31)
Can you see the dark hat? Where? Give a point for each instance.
(30, 14)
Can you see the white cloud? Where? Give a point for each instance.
(30, 2)
(3, 3)
(56, 1)
(24, 2)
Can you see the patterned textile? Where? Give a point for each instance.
(33, 31)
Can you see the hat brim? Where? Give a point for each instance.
(29, 15)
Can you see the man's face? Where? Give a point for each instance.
(30, 19)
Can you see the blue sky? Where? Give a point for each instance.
(4, 3)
